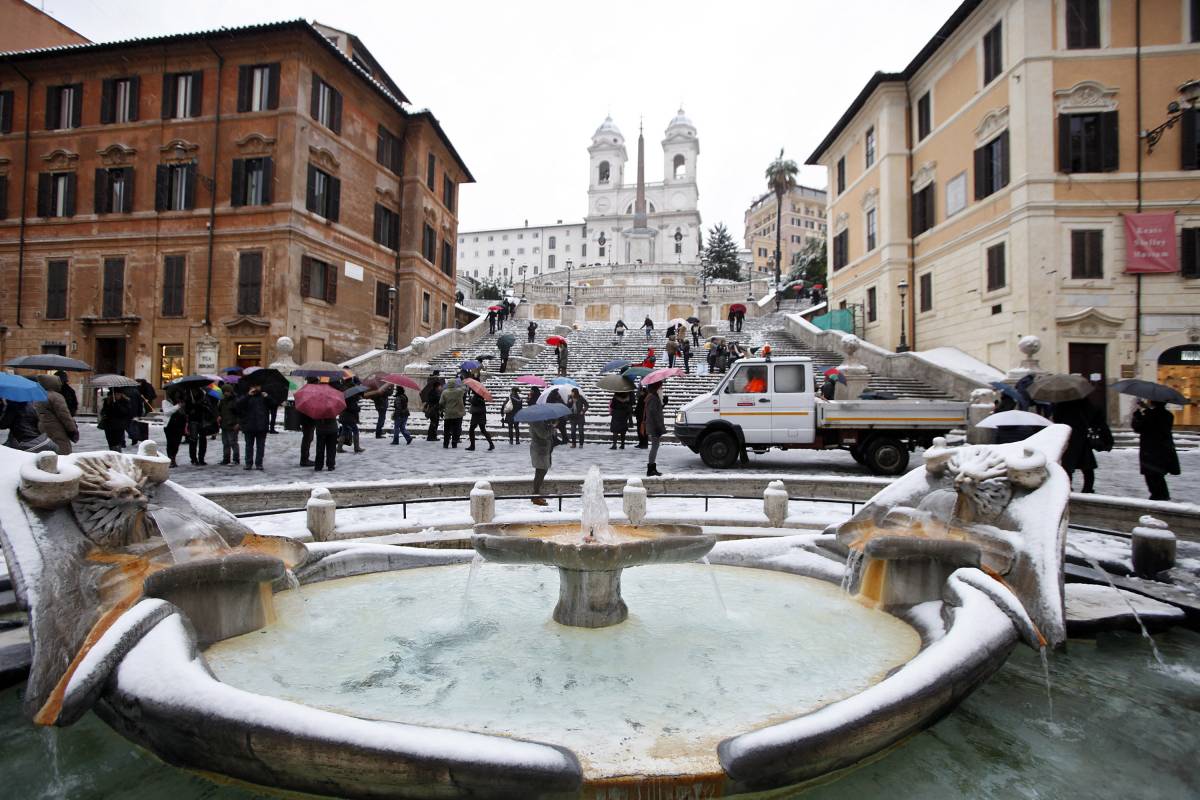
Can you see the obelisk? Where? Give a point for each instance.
(640, 238)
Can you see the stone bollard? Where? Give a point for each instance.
(1153, 547)
(634, 500)
(532, 350)
(321, 510)
(983, 405)
(156, 468)
(775, 503)
(483, 502)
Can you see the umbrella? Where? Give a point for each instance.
(819, 286)
(1008, 391)
(318, 369)
(249, 370)
(738, 307)
(1150, 391)
(397, 379)
(469, 365)
(48, 361)
(694, 320)
(564, 382)
(232, 370)
(615, 383)
(215, 394)
(189, 382)
(507, 340)
(541, 413)
(531, 380)
(555, 341)
(20, 390)
(479, 389)
(553, 391)
(636, 373)
(319, 401)
(831, 371)
(354, 391)
(1024, 419)
(495, 308)
(1060, 388)
(616, 365)
(111, 381)
(272, 382)
(660, 375)
(374, 380)
(678, 322)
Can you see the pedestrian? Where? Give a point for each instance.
(138, 405)
(531, 331)
(253, 410)
(619, 329)
(308, 431)
(501, 315)
(620, 409)
(512, 404)
(478, 421)
(650, 360)
(1080, 416)
(176, 427)
(655, 426)
(1156, 446)
(349, 419)
(829, 387)
(430, 395)
(400, 417)
(68, 393)
(505, 347)
(491, 318)
(578, 418)
(201, 423)
(20, 419)
(453, 408)
(227, 421)
(114, 417)
(148, 396)
(732, 319)
(556, 396)
(695, 334)
(741, 318)
(54, 418)
(685, 350)
(379, 398)
(670, 332)
(648, 327)
(326, 431)
(541, 450)
(639, 412)
(560, 354)
(672, 351)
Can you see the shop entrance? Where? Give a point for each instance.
(1088, 360)
(1179, 368)
(110, 355)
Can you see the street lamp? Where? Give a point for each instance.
(391, 341)
(678, 247)
(1189, 91)
(703, 287)
(524, 267)
(902, 287)
(569, 302)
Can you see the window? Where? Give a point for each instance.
(925, 292)
(175, 187)
(871, 229)
(326, 104)
(603, 173)
(387, 150)
(56, 289)
(170, 363)
(430, 170)
(112, 302)
(872, 306)
(253, 179)
(383, 305)
(387, 227)
(924, 116)
(1088, 142)
(922, 210)
(993, 55)
(447, 258)
(182, 94)
(991, 167)
(789, 378)
(6, 111)
(447, 192)
(318, 279)
(1189, 258)
(841, 174)
(429, 244)
(748, 380)
(841, 249)
(1190, 134)
(258, 87)
(1083, 24)
(1087, 254)
(553, 242)
(56, 194)
(119, 100)
(679, 167)
(249, 296)
(425, 307)
(869, 147)
(172, 287)
(324, 194)
(1195, 12)
(549, 262)
(114, 190)
(996, 279)
(64, 106)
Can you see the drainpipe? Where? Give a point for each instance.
(212, 208)
(1137, 94)
(910, 313)
(394, 315)
(24, 189)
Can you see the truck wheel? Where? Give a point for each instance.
(719, 450)
(885, 456)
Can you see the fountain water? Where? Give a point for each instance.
(466, 601)
(1046, 674)
(187, 537)
(593, 516)
(716, 586)
(1094, 564)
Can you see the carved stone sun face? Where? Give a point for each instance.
(981, 479)
(111, 504)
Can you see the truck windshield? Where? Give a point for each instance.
(748, 380)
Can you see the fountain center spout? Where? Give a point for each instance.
(594, 526)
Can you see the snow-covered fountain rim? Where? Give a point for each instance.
(148, 676)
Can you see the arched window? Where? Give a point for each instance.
(680, 164)
(678, 238)
(604, 172)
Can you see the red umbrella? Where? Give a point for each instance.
(478, 388)
(495, 308)
(660, 375)
(396, 379)
(738, 307)
(555, 341)
(319, 401)
(532, 380)
(819, 286)
(831, 370)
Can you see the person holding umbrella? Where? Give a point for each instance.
(253, 410)
(542, 441)
(227, 420)
(400, 417)
(114, 418)
(531, 331)
(322, 403)
(430, 397)
(452, 405)
(478, 419)
(54, 418)
(349, 419)
(508, 412)
(620, 410)
(654, 425)
(1157, 457)
(672, 350)
(379, 398)
(201, 423)
(1081, 418)
(504, 345)
(491, 318)
(732, 318)
(578, 418)
(68, 393)
(560, 353)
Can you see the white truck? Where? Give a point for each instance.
(764, 403)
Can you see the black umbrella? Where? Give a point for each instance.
(189, 381)
(272, 381)
(1150, 391)
(1060, 388)
(354, 391)
(694, 320)
(48, 361)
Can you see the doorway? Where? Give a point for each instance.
(1088, 360)
(110, 355)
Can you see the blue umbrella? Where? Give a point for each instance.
(1007, 391)
(231, 371)
(542, 413)
(354, 391)
(216, 394)
(20, 390)
(564, 382)
(469, 364)
(616, 365)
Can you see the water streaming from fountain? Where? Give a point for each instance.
(1094, 564)
(1046, 674)
(57, 787)
(716, 586)
(187, 537)
(852, 562)
(465, 609)
(593, 517)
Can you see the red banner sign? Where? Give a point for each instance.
(1150, 243)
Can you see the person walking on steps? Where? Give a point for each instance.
(1156, 446)
(685, 350)
(619, 329)
(491, 318)
(578, 418)
(672, 351)
(227, 420)
(620, 410)
(732, 319)
(505, 347)
(741, 319)
(326, 431)
(695, 334)
(400, 417)
(478, 421)
(253, 411)
(560, 353)
(541, 449)
(430, 395)
(531, 331)
(452, 404)
(655, 426)
(639, 413)
(512, 404)
(648, 327)
(349, 420)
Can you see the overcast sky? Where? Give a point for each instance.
(521, 86)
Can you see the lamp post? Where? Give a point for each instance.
(524, 268)
(569, 302)
(391, 340)
(703, 286)
(678, 247)
(1189, 91)
(902, 287)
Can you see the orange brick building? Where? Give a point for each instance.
(175, 204)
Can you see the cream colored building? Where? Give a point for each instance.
(803, 218)
(992, 176)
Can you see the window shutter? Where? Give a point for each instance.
(378, 224)
(1191, 119)
(135, 95)
(314, 98)
(334, 201)
(3, 197)
(101, 192)
(77, 105)
(69, 202)
(168, 95)
(1109, 154)
(1003, 145)
(43, 195)
(243, 103)
(331, 283)
(127, 208)
(305, 285)
(380, 147)
(1190, 258)
(273, 86)
(336, 120)
(395, 232)
(189, 202)
(197, 93)
(268, 180)
(162, 183)
(237, 189)
(106, 101)
(310, 198)
(1064, 143)
(980, 173)
(51, 108)
(6, 115)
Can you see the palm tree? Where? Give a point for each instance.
(781, 179)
